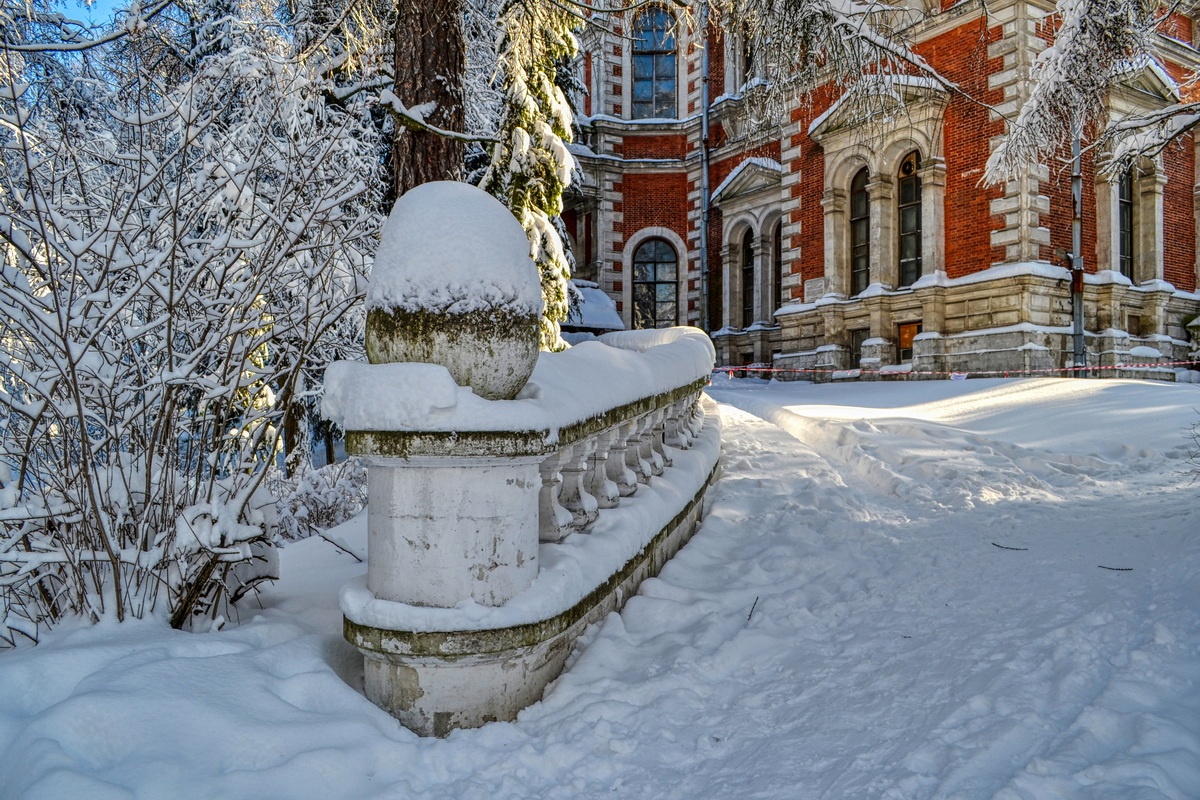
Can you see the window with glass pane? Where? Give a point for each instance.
(910, 219)
(777, 267)
(655, 289)
(747, 279)
(860, 234)
(1125, 223)
(653, 65)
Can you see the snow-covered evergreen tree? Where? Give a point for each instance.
(531, 165)
(1095, 42)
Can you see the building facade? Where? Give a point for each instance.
(839, 238)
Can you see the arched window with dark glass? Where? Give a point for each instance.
(910, 219)
(1125, 223)
(655, 286)
(860, 233)
(654, 65)
(777, 267)
(747, 278)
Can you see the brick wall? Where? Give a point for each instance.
(962, 56)
(665, 146)
(1179, 218)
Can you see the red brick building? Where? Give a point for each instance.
(838, 239)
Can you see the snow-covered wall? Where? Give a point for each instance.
(488, 551)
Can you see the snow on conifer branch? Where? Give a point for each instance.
(1072, 79)
(531, 165)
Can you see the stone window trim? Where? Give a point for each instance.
(1148, 180)
(882, 188)
(681, 273)
(853, 137)
(679, 44)
(740, 63)
(1144, 86)
(761, 228)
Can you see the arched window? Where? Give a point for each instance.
(860, 233)
(655, 290)
(777, 267)
(747, 278)
(910, 219)
(1125, 223)
(653, 65)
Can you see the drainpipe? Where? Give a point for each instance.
(704, 156)
(1080, 355)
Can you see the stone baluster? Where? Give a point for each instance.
(696, 418)
(598, 482)
(573, 495)
(651, 431)
(554, 521)
(675, 432)
(635, 456)
(618, 465)
(658, 440)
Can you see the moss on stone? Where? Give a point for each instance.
(493, 351)
(451, 646)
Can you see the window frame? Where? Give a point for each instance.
(777, 266)
(1126, 226)
(746, 257)
(860, 233)
(656, 281)
(654, 39)
(908, 270)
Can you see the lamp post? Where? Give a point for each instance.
(1080, 355)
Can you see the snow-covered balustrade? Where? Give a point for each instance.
(504, 514)
(476, 588)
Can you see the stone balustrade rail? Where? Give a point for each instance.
(458, 622)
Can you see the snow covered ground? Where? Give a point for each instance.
(905, 590)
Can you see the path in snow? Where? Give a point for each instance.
(844, 625)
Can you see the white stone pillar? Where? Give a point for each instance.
(837, 243)
(881, 191)
(444, 530)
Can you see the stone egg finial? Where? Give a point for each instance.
(454, 284)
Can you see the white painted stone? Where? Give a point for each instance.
(447, 530)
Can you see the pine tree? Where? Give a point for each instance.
(531, 165)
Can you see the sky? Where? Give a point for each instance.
(936, 589)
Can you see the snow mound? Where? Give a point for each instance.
(450, 247)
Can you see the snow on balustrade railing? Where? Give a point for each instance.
(606, 420)
(478, 578)
(567, 388)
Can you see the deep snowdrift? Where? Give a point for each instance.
(905, 590)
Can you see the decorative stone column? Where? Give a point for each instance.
(933, 222)
(881, 191)
(449, 520)
(837, 243)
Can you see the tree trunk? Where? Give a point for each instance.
(430, 66)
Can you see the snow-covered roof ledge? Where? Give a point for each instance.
(752, 175)
(1144, 73)
(897, 90)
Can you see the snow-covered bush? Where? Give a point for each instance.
(317, 499)
(178, 253)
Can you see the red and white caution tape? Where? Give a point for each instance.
(956, 375)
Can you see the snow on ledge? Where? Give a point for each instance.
(577, 384)
(567, 570)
